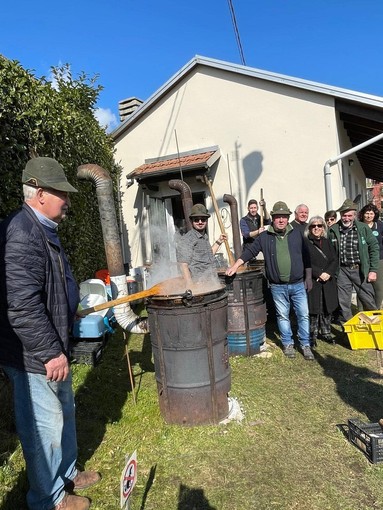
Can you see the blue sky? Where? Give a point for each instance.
(135, 47)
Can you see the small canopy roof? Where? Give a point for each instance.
(161, 168)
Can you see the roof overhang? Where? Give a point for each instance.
(175, 165)
(363, 123)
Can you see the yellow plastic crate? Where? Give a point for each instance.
(365, 336)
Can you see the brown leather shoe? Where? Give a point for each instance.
(84, 479)
(71, 502)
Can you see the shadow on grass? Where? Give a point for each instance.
(102, 396)
(191, 499)
(8, 437)
(99, 402)
(188, 498)
(148, 485)
(354, 386)
(16, 498)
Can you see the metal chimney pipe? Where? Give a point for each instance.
(186, 197)
(229, 199)
(104, 188)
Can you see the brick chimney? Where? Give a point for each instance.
(127, 106)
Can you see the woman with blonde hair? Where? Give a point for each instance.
(322, 299)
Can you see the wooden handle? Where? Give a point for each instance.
(261, 213)
(171, 286)
(119, 301)
(216, 209)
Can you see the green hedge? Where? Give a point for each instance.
(37, 118)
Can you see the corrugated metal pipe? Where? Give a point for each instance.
(186, 197)
(125, 316)
(229, 199)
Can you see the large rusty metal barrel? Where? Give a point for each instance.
(246, 328)
(189, 342)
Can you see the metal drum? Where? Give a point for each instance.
(188, 335)
(246, 311)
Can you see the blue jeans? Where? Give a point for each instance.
(45, 423)
(285, 295)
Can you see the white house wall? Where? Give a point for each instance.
(270, 135)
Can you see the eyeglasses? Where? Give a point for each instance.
(331, 219)
(197, 220)
(316, 226)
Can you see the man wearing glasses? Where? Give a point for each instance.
(358, 254)
(194, 253)
(330, 218)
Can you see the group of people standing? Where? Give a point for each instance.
(337, 256)
(311, 265)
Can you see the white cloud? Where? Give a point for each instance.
(106, 118)
(52, 78)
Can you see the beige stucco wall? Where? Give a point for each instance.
(271, 136)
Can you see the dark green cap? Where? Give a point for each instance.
(199, 210)
(280, 208)
(348, 205)
(46, 173)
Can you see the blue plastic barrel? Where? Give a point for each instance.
(246, 312)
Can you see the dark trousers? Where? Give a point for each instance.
(347, 280)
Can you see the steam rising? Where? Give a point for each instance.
(165, 270)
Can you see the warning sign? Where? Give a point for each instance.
(128, 479)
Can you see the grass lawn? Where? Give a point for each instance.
(289, 452)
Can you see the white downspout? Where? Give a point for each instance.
(329, 162)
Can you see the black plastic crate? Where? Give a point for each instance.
(87, 353)
(368, 437)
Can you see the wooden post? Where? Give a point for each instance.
(129, 369)
(261, 212)
(216, 209)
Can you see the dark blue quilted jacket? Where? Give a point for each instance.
(266, 243)
(33, 295)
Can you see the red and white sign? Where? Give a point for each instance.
(128, 479)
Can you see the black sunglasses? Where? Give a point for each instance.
(196, 220)
(316, 225)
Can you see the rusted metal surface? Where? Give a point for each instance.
(104, 191)
(229, 199)
(191, 357)
(246, 311)
(186, 198)
(124, 315)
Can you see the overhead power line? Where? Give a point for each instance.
(236, 31)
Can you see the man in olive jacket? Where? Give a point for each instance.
(358, 254)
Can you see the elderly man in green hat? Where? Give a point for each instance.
(358, 253)
(38, 301)
(194, 253)
(288, 270)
